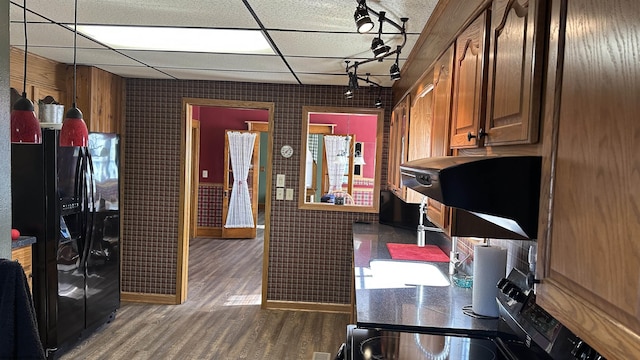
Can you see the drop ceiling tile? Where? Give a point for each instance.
(84, 56)
(337, 15)
(135, 72)
(148, 13)
(337, 66)
(246, 76)
(333, 45)
(210, 61)
(326, 15)
(48, 34)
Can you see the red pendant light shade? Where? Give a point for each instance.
(74, 130)
(25, 127)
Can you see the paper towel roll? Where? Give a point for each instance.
(489, 266)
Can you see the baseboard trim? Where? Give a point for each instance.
(215, 232)
(160, 299)
(307, 306)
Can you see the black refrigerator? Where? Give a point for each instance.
(68, 198)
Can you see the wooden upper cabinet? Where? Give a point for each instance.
(398, 132)
(590, 251)
(469, 84)
(437, 213)
(420, 128)
(515, 66)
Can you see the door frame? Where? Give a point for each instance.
(195, 176)
(186, 174)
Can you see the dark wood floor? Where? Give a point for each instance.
(221, 318)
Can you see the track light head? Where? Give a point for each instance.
(394, 72)
(362, 19)
(348, 94)
(378, 102)
(379, 48)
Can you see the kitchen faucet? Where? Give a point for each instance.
(454, 257)
(422, 213)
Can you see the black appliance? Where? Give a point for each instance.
(503, 190)
(524, 323)
(525, 332)
(397, 213)
(369, 344)
(67, 197)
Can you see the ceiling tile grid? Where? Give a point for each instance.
(311, 39)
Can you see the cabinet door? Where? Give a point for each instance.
(470, 85)
(515, 65)
(589, 270)
(420, 129)
(442, 87)
(23, 256)
(397, 146)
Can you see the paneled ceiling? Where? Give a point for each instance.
(311, 39)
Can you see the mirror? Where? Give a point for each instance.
(342, 165)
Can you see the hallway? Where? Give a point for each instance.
(221, 318)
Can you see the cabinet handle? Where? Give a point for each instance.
(481, 134)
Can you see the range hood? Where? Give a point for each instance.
(503, 190)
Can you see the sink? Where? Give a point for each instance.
(394, 274)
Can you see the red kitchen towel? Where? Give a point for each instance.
(415, 252)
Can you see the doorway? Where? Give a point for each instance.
(187, 208)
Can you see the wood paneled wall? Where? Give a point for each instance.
(100, 94)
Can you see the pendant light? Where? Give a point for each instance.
(25, 127)
(74, 130)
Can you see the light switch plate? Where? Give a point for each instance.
(205, 174)
(279, 194)
(289, 194)
(280, 180)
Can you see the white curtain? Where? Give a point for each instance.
(240, 214)
(334, 145)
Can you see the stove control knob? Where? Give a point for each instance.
(582, 351)
(578, 348)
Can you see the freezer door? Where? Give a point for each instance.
(103, 257)
(70, 246)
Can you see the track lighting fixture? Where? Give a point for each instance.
(362, 19)
(25, 127)
(378, 47)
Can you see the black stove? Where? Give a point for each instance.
(372, 344)
(525, 332)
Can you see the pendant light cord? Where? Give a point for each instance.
(24, 81)
(75, 35)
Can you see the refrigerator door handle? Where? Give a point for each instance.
(84, 201)
(90, 207)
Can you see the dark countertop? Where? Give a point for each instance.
(23, 241)
(424, 309)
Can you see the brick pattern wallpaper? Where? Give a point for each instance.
(309, 251)
(210, 205)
